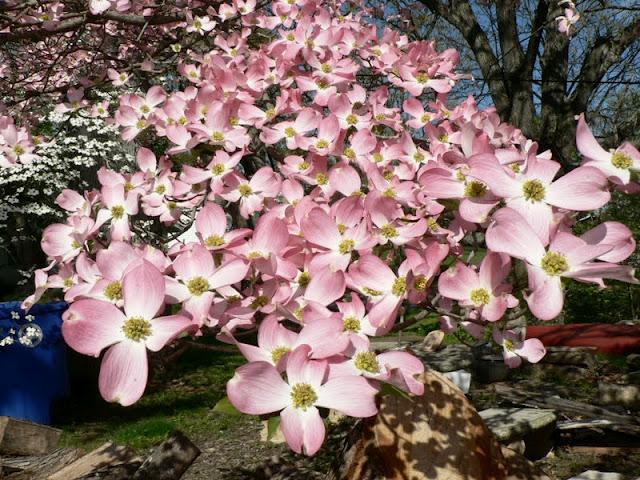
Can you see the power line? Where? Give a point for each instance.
(539, 80)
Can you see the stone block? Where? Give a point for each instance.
(534, 426)
(449, 359)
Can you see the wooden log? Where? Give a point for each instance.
(19, 437)
(106, 455)
(39, 467)
(553, 402)
(169, 460)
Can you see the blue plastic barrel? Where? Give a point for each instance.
(32, 377)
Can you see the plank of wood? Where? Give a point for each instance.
(19, 437)
(106, 455)
(553, 402)
(169, 460)
(39, 467)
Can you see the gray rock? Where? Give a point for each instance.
(571, 356)
(534, 426)
(593, 475)
(449, 359)
(625, 395)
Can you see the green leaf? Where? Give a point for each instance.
(272, 426)
(225, 406)
(388, 389)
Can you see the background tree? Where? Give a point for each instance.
(537, 77)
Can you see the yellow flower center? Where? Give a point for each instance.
(304, 278)
(533, 190)
(245, 190)
(425, 118)
(422, 77)
(418, 157)
(289, 132)
(113, 291)
(18, 149)
(279, 352)
(367, 361)
(303, 396)
(320, 144)
(480, 296)
(389, 231)
(475, 189)
(217, 169)
(140, 124)
(217, 136)
(351, 324)
(214, 241)
(399, 286)
(352, 119)
(198, 285)
(371, 292)
(117, 211)
(322, 83)
(136, 329)
(508, 344)
(621, 160)
(160, 189)
(554, 263)
(420, 282)
(377, 157)
(259, 302)
(346, 246)
(326, 68)
(322, 179)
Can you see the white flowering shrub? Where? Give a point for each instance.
(76, 147)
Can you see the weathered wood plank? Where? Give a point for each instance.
(106, 455)
(19, 437)
(39, 467)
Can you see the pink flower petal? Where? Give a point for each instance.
(123, 373)
(143, 290)
(351, 395)
(166, 329)
(91, 325)
(257, 388)
(303, 429)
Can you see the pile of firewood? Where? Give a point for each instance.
(28, 452)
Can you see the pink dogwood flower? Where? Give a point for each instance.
(485, 290)
(514, 349)
(566, 256)
(90, 326)
(257, 388)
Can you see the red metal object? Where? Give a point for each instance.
(607, 338)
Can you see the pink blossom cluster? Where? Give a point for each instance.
(570, 17)
(17, 145)
(331, 193)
